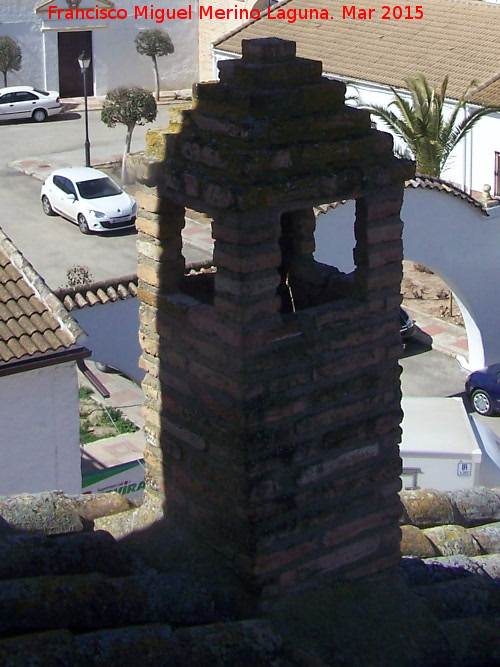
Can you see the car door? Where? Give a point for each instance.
(62, 194)
(25, 103)
(69, 198)
(8, 108)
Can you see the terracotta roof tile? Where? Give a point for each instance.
(433, 183)
(99, 293)
(14, 328)
(5, 352)
(27, 324)
(4, 294)
(13, 289)
(489, 94)
(15, 309)
(4, 276)
(28, 344)
(52, 340)
(12, 272)
(30, 323)
(5, 332)
(36, 304)
(16, 348)
(453, 37)
(48, 320)
(62, 336)
(40, 341)
(4, 312)
(92, 298)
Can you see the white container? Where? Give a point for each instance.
(439, 446)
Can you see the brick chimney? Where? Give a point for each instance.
(273, 400)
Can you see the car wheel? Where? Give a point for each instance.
(104, 368)
(82, 224)
(47, 208)
(481, 402)
(39, 115)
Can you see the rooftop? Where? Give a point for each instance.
(454, 37)
(33, 322)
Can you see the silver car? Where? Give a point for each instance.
(17, 102)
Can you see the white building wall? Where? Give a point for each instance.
(39, 435)
(115, 59)
(451, 237)
(113, 334)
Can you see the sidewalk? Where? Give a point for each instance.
(95, 101)
(127, 397)
(445, 337)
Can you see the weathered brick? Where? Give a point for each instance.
(147, 200)
(279, 424)
(262, 258)
(150, 364)
(182, 434)
(276, 561)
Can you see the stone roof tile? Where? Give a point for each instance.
(82, 598)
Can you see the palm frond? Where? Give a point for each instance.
(424, 124)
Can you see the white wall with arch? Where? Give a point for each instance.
(451, 236)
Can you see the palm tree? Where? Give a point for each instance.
(423, 124)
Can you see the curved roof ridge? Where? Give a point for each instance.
(435, 183)
(425, 182)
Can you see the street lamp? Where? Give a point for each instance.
(84, 61)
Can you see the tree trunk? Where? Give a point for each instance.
(157, 77)
(5, 79)
(128, 140)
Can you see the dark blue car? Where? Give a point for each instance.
(483, 389)
(406, 326)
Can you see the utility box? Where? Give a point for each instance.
(439, 446)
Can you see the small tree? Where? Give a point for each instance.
(154, 43)
(11, 56)
(130, 107)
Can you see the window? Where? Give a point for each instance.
(25, 97)
(65, 185)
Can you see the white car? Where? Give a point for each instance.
(27, 102)
(88, 197)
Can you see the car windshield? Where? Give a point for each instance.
(41, 92)
(97, 188)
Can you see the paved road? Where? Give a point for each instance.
(53, 245)
(427, 372)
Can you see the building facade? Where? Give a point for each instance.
(374, 55)
(52, 34)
